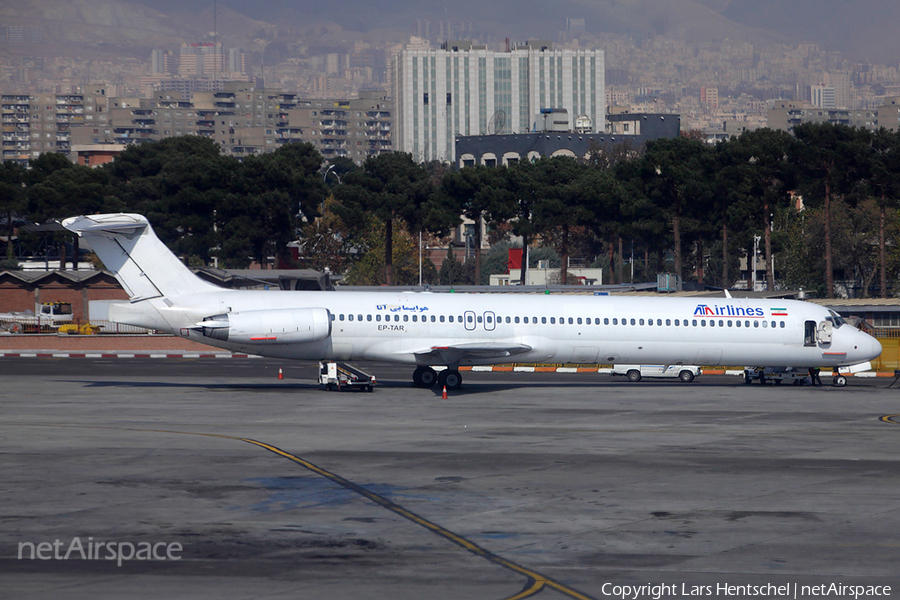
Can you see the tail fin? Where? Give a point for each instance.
(140, 262)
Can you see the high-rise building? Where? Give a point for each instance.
(236, 60)
(466, 89)
(709, 97)
(205, 59)
(823, 96)
(161, 62)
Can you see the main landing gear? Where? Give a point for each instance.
(427, 377)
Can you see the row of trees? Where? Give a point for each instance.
(824, 199)
(683, 205)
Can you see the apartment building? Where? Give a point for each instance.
(241, 118)
(785, 115)
(356, 129)
(463, 89)
(37, 123)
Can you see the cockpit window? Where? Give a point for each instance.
(835, 319)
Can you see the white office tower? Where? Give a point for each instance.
(465, 89)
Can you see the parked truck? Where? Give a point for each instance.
(47, 317)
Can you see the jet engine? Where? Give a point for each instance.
(275, 326)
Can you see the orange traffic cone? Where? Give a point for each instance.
(444, 395)
(280, 374)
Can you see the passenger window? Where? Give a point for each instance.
(746, 323)
(405, 318)
(669, 322)
(695, 322)
(738, 323)
(451, 318)
(729, 322)
(378, 318)
(359, 317)
(632, 321)
(396, 318)
(333, 316)
(782, 324)
(702, 322)
(615, 321)
(341, 317)
(368, 317)
(606, 321)
(478, 318)
(641, 321)
(469, 319)
(508, 320)
(415, 318)
(442, 318)
(525, 320)
(544, 320)
(712, 323)
(721, 323)
(517, 319)
(433, 319)
(553, 320)
(756, 323)
(579, 320)
(659, 322)
(765, 324)
(677, 323)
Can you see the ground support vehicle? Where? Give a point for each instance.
(685, 373)
(47, 317)
(342, 376)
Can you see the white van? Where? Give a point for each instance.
(685, 373)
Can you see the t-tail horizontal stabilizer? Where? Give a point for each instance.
(140, 262)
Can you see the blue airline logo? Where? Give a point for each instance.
(715, 310)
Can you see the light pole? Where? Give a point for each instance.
(755, 252)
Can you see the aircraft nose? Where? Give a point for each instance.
(874, 348)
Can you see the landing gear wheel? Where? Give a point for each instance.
(840, 381)
(686, 376)
(424, 377)
(633, 376)
(451, 378)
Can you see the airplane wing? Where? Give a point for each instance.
(478, 350)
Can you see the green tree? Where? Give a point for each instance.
(884, 186)
(178, 184)
(391, 187)
(825, 154)
(675, 175)
(754, 179)
(12, 198)
(369, 268)
(454, 272)
(268, 195)
(476, 192)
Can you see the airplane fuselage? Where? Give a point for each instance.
(560, 328)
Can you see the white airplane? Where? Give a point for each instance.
(434, 329)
